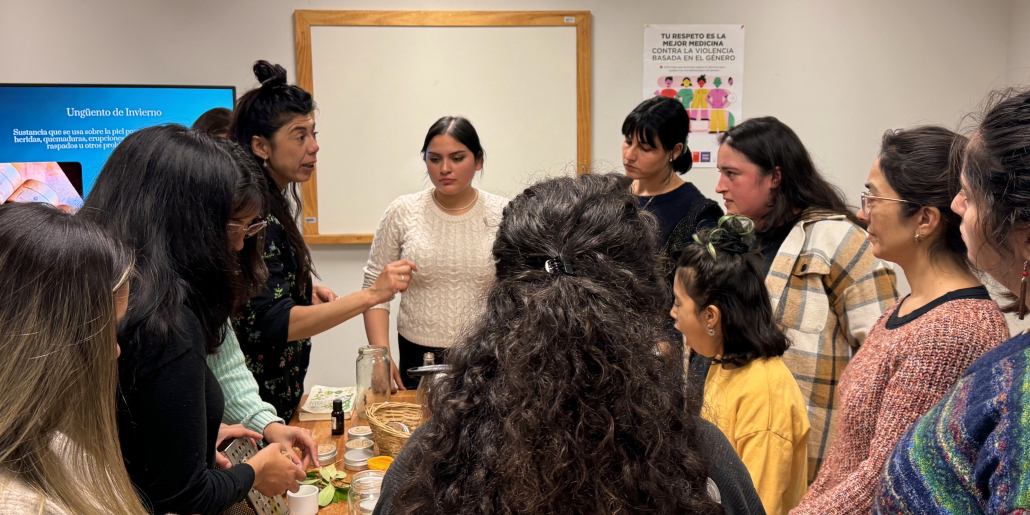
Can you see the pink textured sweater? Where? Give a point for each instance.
(904, 367)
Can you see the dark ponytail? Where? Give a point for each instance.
(261, 112)
(665, 120)
(720, 270)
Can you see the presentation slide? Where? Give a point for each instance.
(54, 139)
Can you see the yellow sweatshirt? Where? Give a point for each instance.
(760, 409)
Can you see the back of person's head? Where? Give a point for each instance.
(922, 165)
(719, 269)
(458, 128)
(167, 192)
(214, 122)
(58, 375)
(566, 396)
(665, 121)
(771, 144)
(262, 111)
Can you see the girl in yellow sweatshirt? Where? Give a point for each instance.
(722, 309)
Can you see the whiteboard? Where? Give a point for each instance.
(379, 88)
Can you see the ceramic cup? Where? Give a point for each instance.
(304, 502)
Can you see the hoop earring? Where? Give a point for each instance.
(711, 332)
(1022, 294)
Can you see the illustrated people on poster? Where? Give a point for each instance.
(685, 95)
(668, 91)
(729, 81)
(718, 100)
(699, 107)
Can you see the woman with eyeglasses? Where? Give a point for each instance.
(275, 124)
(968, 454)
(921, 346)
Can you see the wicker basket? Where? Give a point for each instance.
(388, 439)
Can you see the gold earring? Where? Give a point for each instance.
(919, 238)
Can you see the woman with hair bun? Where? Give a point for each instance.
(275, 123)
(968, 454)
(722, 309)
(655, 155)
(566, 396)
(922, 345)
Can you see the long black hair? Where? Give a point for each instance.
(167, 192)
(769, 143)
(566, 396)
(923, 165)
(719, 269)
(665, 120)
(262, 112)
(458, 128)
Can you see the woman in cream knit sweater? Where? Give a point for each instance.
(448, 232)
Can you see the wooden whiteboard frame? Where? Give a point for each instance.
(305, 19)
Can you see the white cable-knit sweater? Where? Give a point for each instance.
(454, 260)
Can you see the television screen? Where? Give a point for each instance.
(54, 139)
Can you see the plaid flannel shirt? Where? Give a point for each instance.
(827, 291)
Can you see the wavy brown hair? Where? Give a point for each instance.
(59, 371)
(567, 395)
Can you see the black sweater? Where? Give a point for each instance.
(169, 410)
(737, 492)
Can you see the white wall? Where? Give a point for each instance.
(838, 72)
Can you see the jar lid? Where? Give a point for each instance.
(360, 443)
(359, 432)
(326, 451)
(356, 458)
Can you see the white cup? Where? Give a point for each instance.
(304, 502)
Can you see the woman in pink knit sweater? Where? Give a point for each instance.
(921, 346)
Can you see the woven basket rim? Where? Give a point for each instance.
(373, 420)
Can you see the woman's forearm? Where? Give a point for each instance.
(307, 321)
(377, 327)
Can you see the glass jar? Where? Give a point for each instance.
(364, 491)
(373, 378)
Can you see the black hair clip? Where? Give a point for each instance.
(559, 265)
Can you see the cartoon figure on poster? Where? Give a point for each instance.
(702, 103)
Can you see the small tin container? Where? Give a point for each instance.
(326, 454)
(356, 460)
(360, 444)
(356, 432)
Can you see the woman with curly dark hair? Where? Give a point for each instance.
(568, 393)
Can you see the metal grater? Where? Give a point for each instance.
(239, 451)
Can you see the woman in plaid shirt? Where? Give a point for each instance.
(826, 287)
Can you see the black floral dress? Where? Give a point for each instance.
(279, 366)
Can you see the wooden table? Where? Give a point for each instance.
(322, 431)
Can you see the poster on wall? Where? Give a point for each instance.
(701, 66)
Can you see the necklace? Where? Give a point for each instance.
(648, 203)
(438, 204)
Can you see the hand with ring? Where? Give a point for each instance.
(393, 279)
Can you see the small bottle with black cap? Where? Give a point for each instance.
(337, 417)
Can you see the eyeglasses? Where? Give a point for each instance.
(251, 229)
(866, 197)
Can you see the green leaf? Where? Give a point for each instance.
(309, 481)
(326, 496)
(341, 475)
(326, 475)
(341, 495)
(312, 474)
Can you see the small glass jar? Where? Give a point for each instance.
(364, 492)
(373, 378)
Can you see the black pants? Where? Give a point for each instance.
(411, 357)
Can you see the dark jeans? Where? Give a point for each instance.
(411, 357)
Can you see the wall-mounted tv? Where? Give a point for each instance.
(54, 138)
